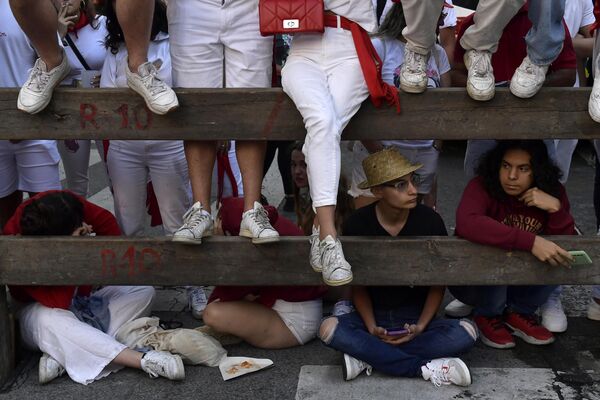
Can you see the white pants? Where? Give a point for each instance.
(76, 163)
(131, 164)
(29, 166)
(323, 77)
(84, 351)
(422, 17)
(205, 34)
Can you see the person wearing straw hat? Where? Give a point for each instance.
(394, 329)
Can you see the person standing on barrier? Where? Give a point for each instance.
(515, 198)
(38, 19)
(394, 329)
(73, 326)
(328, 76)
(544, 43)
(216, 44)
(25, 165)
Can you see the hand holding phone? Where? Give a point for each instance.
(580, 257)
(398, 331)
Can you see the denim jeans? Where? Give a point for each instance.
(547, 33)
(441, 338)
(477, 148)
(490, 301)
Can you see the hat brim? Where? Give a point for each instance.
(368, 185)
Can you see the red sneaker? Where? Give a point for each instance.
(528, 328)
(493, 332)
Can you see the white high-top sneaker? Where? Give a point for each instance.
(413, 73)
(528, 79)
(336, 270)
(49, 369)
(480, 80)
(553, 315)
(353, 367)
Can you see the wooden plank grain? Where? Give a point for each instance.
(235, 261)
(268, 114)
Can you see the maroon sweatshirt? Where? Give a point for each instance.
(508, 224)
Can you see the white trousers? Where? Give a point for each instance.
(131, 164)
(217, 43)
(322, 75)
(29, 165)
(84, 351)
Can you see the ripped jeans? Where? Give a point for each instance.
(441, 338)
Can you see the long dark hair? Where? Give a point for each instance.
(546, 175)
(115, 36)
(58, 213)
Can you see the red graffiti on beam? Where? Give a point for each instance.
(123, 111)
(88, 112)
(136, 115)
(132, 261)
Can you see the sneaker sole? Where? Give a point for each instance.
(174, 107)
(39, 109)
(495, 345)
(181, 368)
(462, 364)
(529, 339)
(345, 369)
(478, 96)
(523, 95)
(255, 240)
(317, 268)
(186, 240)
(412, 89)
(338, 283)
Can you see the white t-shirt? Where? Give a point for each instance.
(449, 20)
(90, 43)
(391, 52)
(359, 11)
(17, 56)
(578, 13)
(113, 72)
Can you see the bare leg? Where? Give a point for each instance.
(201, 161)
(326, 215)
(251, 157)
(129, 358)
(135, 17)
(39, 20)
(8, 205)
(256, 324)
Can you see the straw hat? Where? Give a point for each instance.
(385, 166)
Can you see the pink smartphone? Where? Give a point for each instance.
(399, 331)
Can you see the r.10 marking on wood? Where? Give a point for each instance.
(132, 261)
(123, 112)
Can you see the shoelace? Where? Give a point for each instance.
(152, 82)
(414, 62)
(480, 64)
(262, 218)
(330, 255)
(38, 79)
(197, 296)
(192, 220)
(440, 376)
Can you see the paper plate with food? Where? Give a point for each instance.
(233, 367)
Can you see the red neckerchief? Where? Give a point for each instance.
(83, 21)
(597, 15)
(370, 63)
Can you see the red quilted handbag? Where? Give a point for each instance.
(290, 16)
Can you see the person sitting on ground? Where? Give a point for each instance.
(271, 317)
(516, 197)
(394, 329)
(52, 318)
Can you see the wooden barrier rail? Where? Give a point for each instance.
(268, 114)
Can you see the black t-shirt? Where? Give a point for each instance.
(421, 221)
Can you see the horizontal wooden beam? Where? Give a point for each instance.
(268, 114)
(235, 261)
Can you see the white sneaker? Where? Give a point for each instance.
(36, 93)
(458, 309)
(528, 79)
(255, 225)
(336, 270)
(342, 307)
(353, 367)
(49, 369)
(553, 315)
(159, 97)
(315, 254)
(163, 363)
(444, 371)
(413, 73)
(594, 102)
(197, 223)
(197, 300)
(480, 80)
(593, 311)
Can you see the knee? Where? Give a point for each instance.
(470, 328)
(212, 314)
(327, 329)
